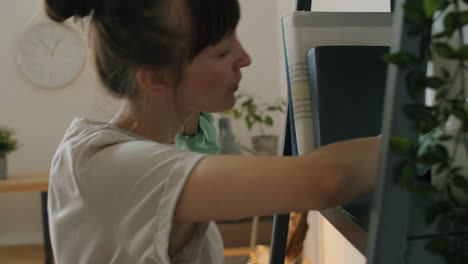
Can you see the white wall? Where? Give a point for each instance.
(259, 31)
(40, 117)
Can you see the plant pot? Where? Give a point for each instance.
(265, 145)
(3, 168)
(227, 140)
(460, 160)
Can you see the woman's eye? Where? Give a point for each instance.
(224, 53)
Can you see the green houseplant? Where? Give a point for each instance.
(256, 113)
(7, 145)
(444, 147)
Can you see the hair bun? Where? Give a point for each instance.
(60, 10)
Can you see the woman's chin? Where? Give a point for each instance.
(230, 104)
(215, 109)
(221, 106)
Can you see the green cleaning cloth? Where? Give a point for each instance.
(205, 141)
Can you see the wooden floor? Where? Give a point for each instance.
(34, 254)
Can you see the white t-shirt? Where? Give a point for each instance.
(112, 197)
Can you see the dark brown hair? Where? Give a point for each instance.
(128, 34)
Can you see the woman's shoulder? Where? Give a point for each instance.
(93, 143)
(94, 150)
(98, 135)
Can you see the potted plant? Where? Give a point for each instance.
(258, 114)
(7, 145)
(444, 124)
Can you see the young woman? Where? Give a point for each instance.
(121, 192)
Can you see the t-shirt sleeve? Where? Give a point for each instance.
(135, 186)
(167, 205)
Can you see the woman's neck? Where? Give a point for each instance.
(152, 122)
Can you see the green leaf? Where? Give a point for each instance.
(423, 115)
(257, 118)
(461, 52)
(441, 153)
(425, 190)
(268, 121)
(446, 74)
(445, 137)
(408, 173)
(431, 6)
(442, 93)
(248, 102)
(451, 22)
(401, 59)
(439, 247)
(236, 113)
(251, 108)
(434, 82)
(460, 112)
(7, 142)
(454, 21)
(414, 12)
(429, 157)
(461, 182)
(463, 18)
(442, 34)
(443, 49)
(441, 167)
(248, 122)
(239, 96)
(273, 108)
(428, 125)
(455, 170)
(416, 84)
(402, 145)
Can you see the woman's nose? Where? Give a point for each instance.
(244, 59)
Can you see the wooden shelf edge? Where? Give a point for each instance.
(22, 254)
(25, 182)
(236, 251)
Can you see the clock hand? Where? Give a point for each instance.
(46, 46)
(55, 47)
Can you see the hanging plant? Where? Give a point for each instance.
(443, 147)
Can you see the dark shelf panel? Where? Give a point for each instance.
(348, 227)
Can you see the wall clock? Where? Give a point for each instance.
(51, 55)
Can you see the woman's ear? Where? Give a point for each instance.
(155, 81)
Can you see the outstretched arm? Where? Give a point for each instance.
(233, 187)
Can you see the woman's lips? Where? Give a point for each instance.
(234, 88)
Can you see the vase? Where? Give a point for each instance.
(227, 140)
(266, 145)
(459, 160)
(3, 168)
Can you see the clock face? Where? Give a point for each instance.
(51, 55)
